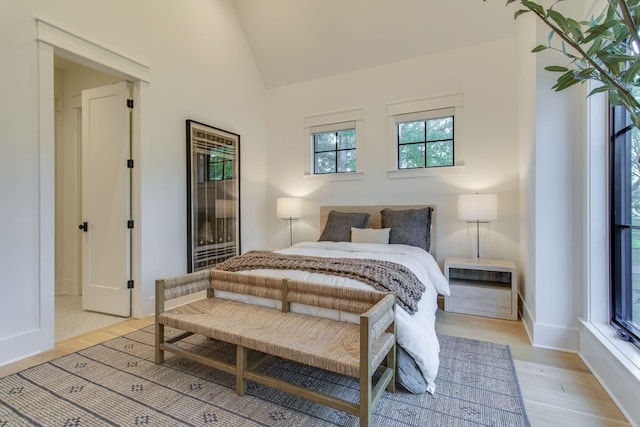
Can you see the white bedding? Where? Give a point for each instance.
(416, 334)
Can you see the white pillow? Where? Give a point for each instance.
(370, 235)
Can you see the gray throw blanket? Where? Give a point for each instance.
(382, 275)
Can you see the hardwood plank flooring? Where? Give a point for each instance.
(557, 387)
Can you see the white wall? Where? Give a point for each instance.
(520, 140)
(551, 162)
(487, 132)
(201, 69)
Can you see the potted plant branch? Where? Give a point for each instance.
(604, 48)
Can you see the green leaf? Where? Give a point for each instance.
(594, 47)
(604, 88)
(620, 58)
(533, 6)
(614, 98)
(520, 12)
(631, 74)
(610, 62)
(556, 69)
(539, 48)
(586, 74)
(576, 29)
(559, 19)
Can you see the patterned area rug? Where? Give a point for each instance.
(116, 383)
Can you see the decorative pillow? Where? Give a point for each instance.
(338, 226)
(408, 227)
(370, 235)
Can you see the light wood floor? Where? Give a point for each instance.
(557, 387)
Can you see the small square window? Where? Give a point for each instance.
(425, 143)
(334, 151)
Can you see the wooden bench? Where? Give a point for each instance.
(355, 350)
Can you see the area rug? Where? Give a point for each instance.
(116, 383)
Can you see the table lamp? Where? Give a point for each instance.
(478, 208)
(289, 208)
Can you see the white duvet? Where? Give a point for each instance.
(416, 334)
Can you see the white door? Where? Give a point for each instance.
(106, 200)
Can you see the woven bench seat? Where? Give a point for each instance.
(355, 350)
(324, 343)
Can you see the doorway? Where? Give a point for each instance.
(56, 41)
(70, 81)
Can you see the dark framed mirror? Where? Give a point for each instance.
(213, 195)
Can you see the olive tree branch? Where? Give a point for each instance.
(604, 73)
(628, 20)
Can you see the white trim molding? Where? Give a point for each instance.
(616, 364)
(424, 108)
(337, 120)
(86, 52)
(548, 336)
(53, 40)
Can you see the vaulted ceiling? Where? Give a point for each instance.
(299, 40)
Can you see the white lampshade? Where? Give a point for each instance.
(478, 207)
(288, 207)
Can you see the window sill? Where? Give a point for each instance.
(615, 363)
(347, 176)
(625, 352)
(419, 173)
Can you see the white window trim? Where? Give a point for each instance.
(614, 362)
(333, 121)
(424, 109)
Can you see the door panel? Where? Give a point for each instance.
(106, 202)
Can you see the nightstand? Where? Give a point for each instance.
(484, 287)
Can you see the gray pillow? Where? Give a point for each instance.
(338, 226)
(408, 227)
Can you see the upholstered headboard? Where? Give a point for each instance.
(374, 211)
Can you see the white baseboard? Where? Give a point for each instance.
(20, 346)
(549, 336)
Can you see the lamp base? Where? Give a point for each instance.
(475, 247)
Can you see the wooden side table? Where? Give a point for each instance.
(484, 287)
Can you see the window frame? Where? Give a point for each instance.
(400, 110)
(621, 227)
(333, 128)
(425, 117)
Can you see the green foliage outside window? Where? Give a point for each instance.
(425, 143)
(335, 152)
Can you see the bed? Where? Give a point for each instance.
(359, 234)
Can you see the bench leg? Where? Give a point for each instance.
(241, 365)
(159, 340)
(365, 396)
(391, 363)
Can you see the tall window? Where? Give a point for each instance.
(334, 148)
(425, 140)
(625, 224)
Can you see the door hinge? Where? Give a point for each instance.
(130, 163)
(129, 284)
(130, 223)
(130, 103)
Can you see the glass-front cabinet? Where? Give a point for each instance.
(213, 195)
